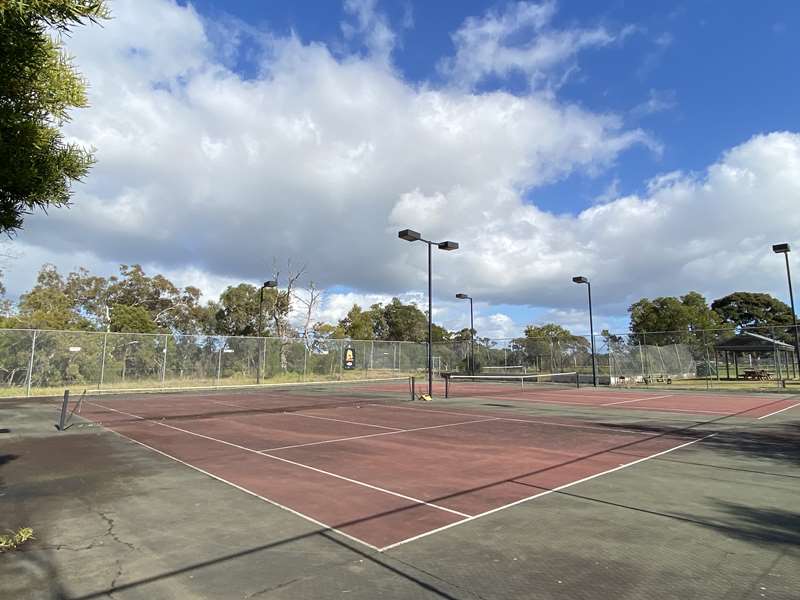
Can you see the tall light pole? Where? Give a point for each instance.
(784, 249)
(581, 279)
(267, 284)
(471, 333)
(410, 235)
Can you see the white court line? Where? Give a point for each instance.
(590, 406)
(325, 526)
(638, 400)
(297, 414)
(544, 493)
(778, 411)
(568, 425)
(529, 394)
(367, 485)
(278, 458)
(372, 435)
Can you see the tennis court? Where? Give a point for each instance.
(364, 460)
(561, 389)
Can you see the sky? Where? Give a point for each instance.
(652, 147)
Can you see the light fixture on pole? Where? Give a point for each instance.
(267, 284)
(580, 279)
(471, 333)
(410, 235)
(784, 249)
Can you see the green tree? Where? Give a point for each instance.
(463, 335)
(440, 334)
(170, 307)
(237, 312)
(404, 322)
(550, 348)
(84, 301)
(38, 87)
(677, 318)
(359, 324)
(131, 319)
(749, 309)
(48, 305)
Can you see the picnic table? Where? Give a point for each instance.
(757, 374)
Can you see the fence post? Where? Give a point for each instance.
(164, 364)
(305, 359)
(341, 357)
(641, 358)
(708, 361)
(678, 356)
(103, 361)
(219, 362)
(30, 363)
(263, 366)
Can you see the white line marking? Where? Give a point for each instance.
(568, 425)
(544, 493)
(371, 435)
(225, 403)
(595, 406)
(297, 414)
(638, 400)
(278, 458)
(778, 411)
(252, 493)
(367, 485)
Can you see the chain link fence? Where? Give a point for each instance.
(37, 362)
(746, 358)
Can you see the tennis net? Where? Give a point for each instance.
(267, 398)
(492, 385)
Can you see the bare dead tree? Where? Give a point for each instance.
(283, 304)
(310, 302)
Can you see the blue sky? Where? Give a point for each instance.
(654, 147)
(715, 76)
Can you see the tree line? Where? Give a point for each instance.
(133, 301)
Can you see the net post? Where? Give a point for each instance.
(64, 406)
(577, 379)
(447, 386)
(413, 387)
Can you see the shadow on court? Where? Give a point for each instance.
(115, 520)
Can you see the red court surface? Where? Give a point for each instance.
(663, 400)
(385, 475)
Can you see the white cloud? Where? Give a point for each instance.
(372, 27)
(207, 175)
(520, 39)
(319, 159)
(657, 101)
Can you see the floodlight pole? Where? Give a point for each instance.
(588, 283)
(784, 249)
(430, 321)
(410, 235)
(471, 333)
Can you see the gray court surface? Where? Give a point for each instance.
(719, 519)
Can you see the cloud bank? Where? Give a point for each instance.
(322, 155)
